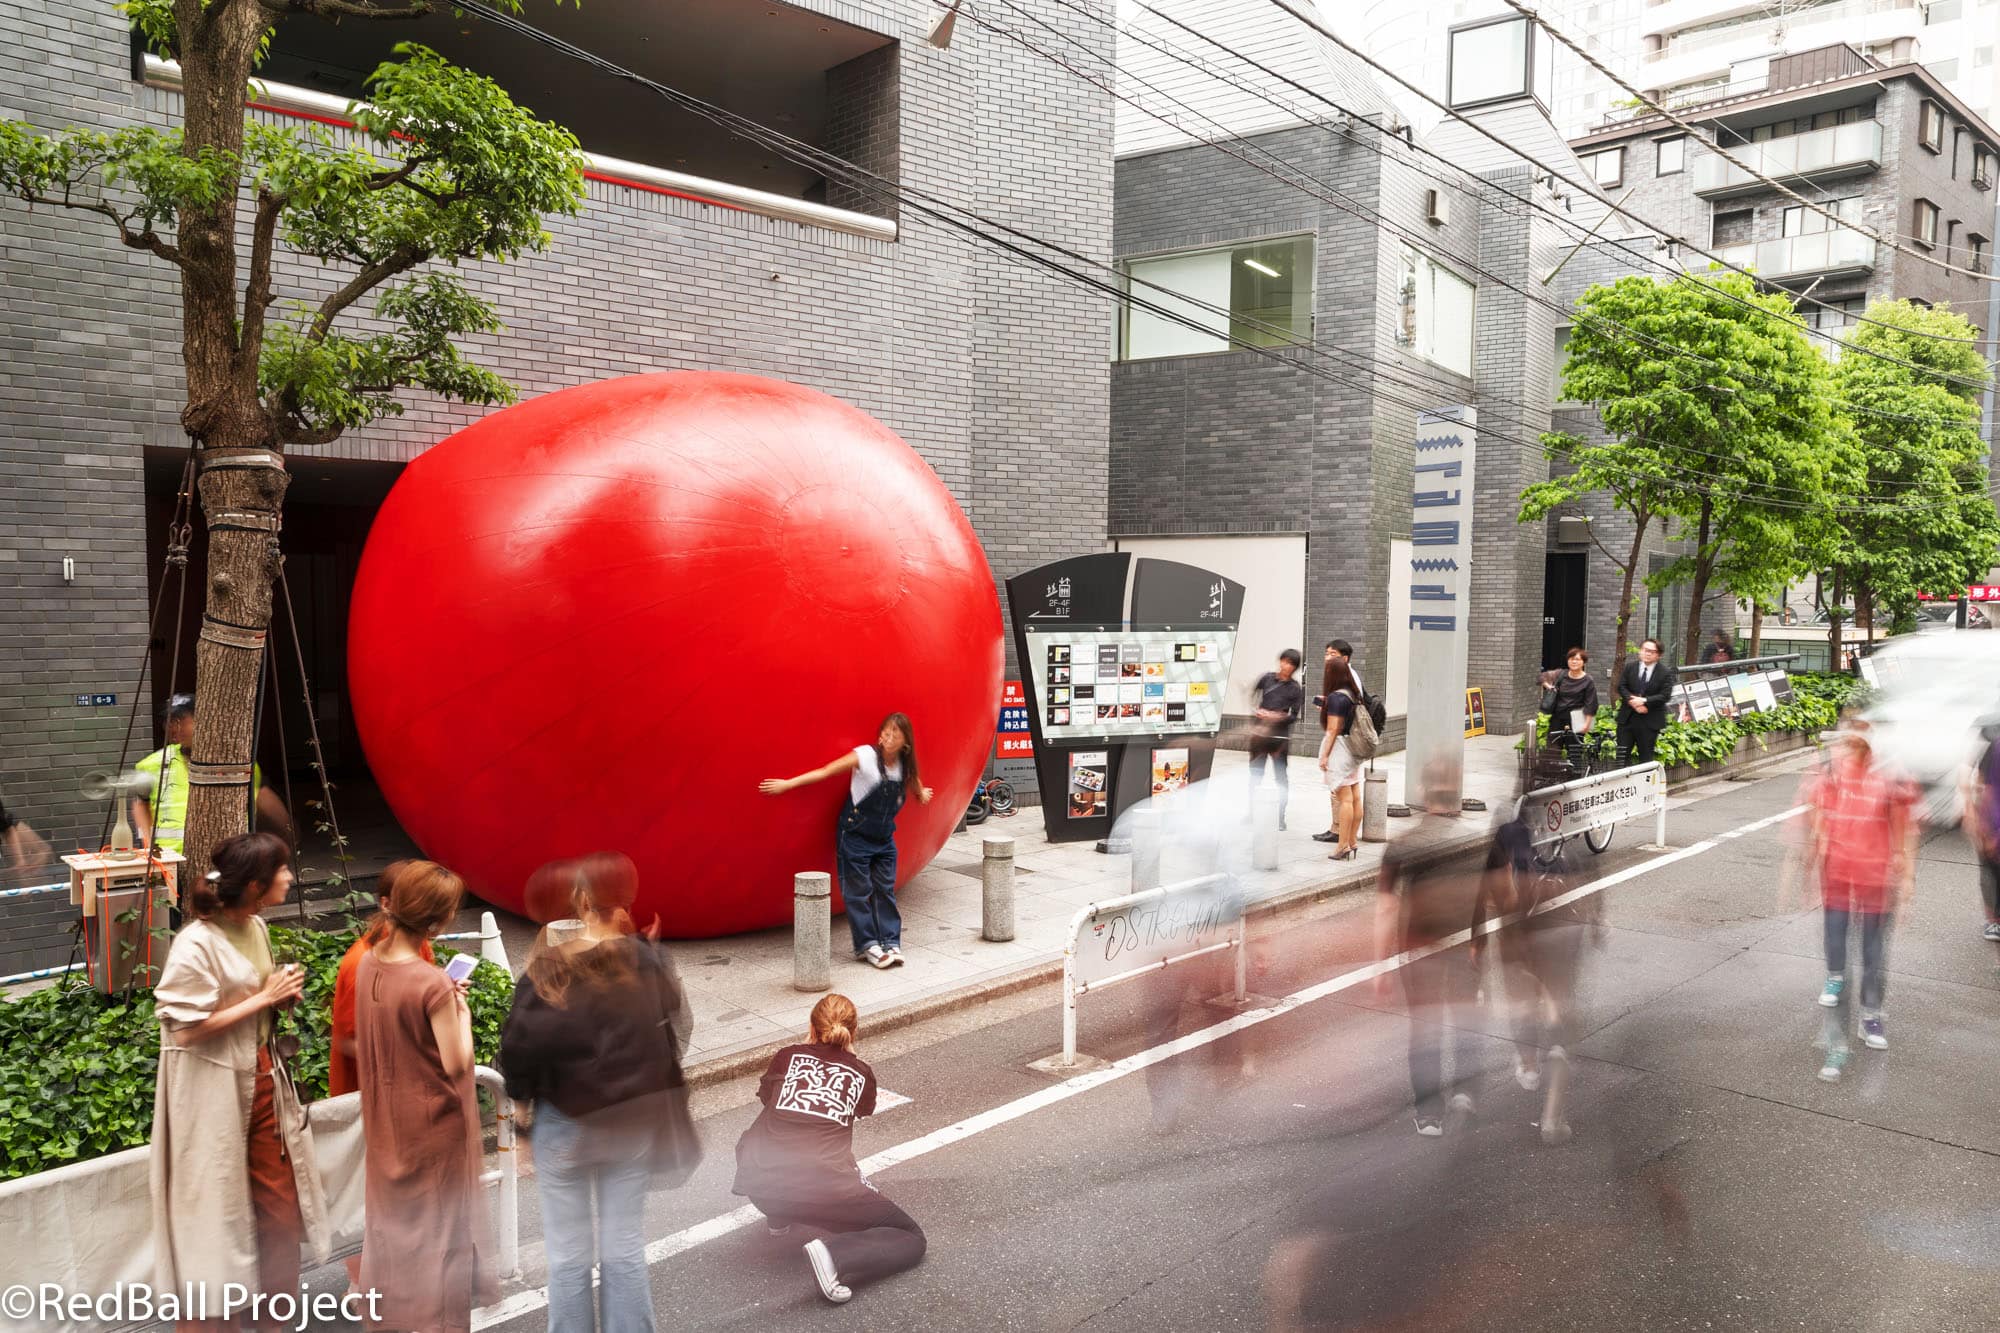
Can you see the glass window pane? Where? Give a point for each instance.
(1672, 155)
(1451, 321)
(1204, 280)
(1270, 292)
(1489, 61)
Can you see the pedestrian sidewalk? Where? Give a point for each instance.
(741, 986)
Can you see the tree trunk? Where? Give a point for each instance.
(1756, 627)
(1704, 568)
(1833, 627)
(242, 493)
(1864, 605)
(1625, 593)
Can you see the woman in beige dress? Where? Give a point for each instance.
(234, 1184)
(427, 1248)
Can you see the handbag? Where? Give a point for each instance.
(676, 1147)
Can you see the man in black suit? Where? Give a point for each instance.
(1644, 687)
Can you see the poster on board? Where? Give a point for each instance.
(1089, 775)
(1170, 770)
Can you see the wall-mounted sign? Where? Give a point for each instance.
(1015, 740)
(96, 700)
(1440, 584)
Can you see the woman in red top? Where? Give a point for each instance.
(796, 1161)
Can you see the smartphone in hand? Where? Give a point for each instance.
(461, 966)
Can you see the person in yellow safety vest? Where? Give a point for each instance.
(170, 788)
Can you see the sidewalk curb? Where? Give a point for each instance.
(734, 1064)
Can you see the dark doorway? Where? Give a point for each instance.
(1564, 600)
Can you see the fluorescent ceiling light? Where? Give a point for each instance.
(1262, 268)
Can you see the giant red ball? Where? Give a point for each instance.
(593, 621)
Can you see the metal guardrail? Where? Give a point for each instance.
(1738, 664)
(1143, 937)
(1598, 801)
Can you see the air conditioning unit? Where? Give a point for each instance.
(1572, 531)
(1437, 207)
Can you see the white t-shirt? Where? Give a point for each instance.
(868, 773)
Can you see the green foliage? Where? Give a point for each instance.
(1815, 708)
(441, 166)
(77, 1068)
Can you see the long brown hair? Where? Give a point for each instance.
(423, 897)
(908, 759)
(604, 885)
(834, 1022)
(1339, 676)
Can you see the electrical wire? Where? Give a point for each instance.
(934, 210)
(1734, 161)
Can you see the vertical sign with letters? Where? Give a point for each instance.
(1440, 583)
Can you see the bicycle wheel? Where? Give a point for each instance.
(1000, 795)
(981, 807)
(1549, 855)
(1599, 838)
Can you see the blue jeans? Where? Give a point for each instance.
(572, 1161)
(1874, 955)
(868, 884)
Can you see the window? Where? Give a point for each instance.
(1434, 312)
(1561, 360)
(1982, 168)
(1799, 220)
(1258, 294)
(1977, 245)
(1489, 61)
(1670, 156)
(1982, 56)
(1835, 314)
(1930, 127)
(1927, 223)
(1945, 11)
(1945, 69)
(1607, 168)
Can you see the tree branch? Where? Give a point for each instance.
(257, 296)
(400, 260)
(345, 9)
(148, 240)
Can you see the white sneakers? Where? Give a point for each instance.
(882, 957)
(829, 1280)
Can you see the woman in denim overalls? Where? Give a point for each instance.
(865, 838)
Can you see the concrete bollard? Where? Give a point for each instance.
(996, 884)
(812, 930)
(1145, 850)
(1264, 831)
(1375, 807)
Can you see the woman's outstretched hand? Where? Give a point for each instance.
(775, 786)
(925, 795)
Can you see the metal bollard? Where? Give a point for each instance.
(996, 884)
(1145, 850)
(1375, 807)
(812, 930)
(1264, 831)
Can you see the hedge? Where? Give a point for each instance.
(1816, 705)
(77, 1068)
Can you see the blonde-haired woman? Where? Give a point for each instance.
(428, 1248)
(796, 1161)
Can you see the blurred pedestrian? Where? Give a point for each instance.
(1982, 822)
(1644, 688)
(1569, 698)
(24, 849)
(1279, 701)
(342, 1075)
(1721, 648)
(428, 1252)
(1337, 762)
(879, 775)
(1422, 898)
(1863, 831)
(160, 816)
(234, 1183)
(796, 1161)
(592, 1053)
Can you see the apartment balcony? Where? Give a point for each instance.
(1696, 56)
(1829, 154)
(1839, 253)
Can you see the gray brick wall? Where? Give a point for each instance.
(998, 375)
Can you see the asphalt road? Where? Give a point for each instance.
(1712, 1181)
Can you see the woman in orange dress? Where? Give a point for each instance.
(427, 1248)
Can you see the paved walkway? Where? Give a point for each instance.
(741, 985)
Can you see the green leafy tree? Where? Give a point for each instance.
(440, 168)
(1718, 448)
(1921, 517)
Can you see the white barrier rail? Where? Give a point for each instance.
(89, 1227)
(1596, 802)
(1142, 933)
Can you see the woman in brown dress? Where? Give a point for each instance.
(427, 1246)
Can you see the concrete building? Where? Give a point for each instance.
(1343, 277)
(693, 251)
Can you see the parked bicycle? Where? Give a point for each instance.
(1582, 756)
(995, 796)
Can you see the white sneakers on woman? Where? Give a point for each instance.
(829, 1279)
(882, 957)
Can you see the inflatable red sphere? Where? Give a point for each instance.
(593, 621)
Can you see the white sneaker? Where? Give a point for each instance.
(895, 957)
(879, 956)
(829, 1280)
(1529, 1079)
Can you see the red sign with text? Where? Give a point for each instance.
(1015, 740)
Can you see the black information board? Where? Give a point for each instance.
(1124, 662)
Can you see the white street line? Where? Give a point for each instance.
(886, 1100)
(715, 1228)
